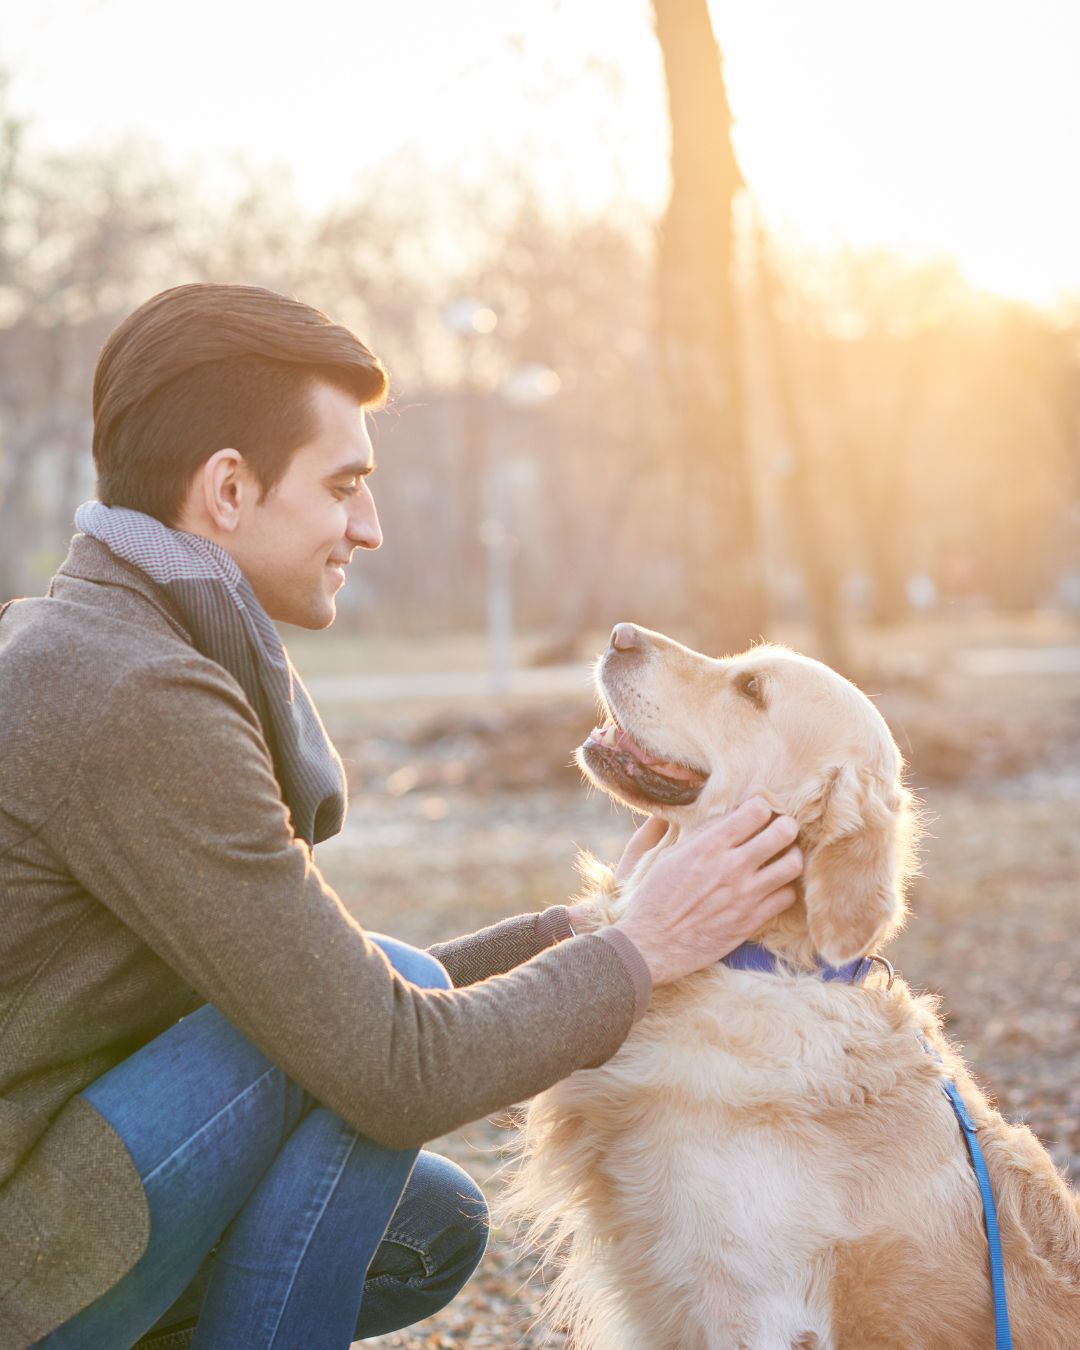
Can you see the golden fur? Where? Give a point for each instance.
(768, 1162)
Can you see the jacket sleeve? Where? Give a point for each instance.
(502, 946)
(174, 820)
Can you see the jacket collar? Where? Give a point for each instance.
(89, 560)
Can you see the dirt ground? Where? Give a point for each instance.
(464, 814)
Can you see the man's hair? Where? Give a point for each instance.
(206, 366)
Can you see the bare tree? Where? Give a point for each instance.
(699, 335)
(806, 512)
(76, 234)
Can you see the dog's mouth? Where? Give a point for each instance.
(614, 758)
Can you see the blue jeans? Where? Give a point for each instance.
(272, 1223)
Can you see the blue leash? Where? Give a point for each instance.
(1002, 1333)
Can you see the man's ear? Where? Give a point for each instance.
(856, 832)
(221, 483)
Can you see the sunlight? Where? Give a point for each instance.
(939, 130)
(949, 131)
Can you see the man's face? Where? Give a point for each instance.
(294, 545)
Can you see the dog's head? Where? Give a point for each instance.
(687, 737)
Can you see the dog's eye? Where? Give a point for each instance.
(752, 687)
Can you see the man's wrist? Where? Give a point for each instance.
(636, 965)
(554, 925)
(583, 918)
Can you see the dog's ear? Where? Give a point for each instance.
(856, 833)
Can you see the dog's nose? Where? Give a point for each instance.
(623, 637)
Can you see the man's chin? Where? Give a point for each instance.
(316, 616)
(323, 617)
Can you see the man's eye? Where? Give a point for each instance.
(345, 490)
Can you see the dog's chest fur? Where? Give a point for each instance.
(742, 1136)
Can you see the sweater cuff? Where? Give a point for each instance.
(635, 964)
(553, 925)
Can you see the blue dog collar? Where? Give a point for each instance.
(753, 956)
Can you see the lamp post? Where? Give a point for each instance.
(471, 321)
(527, 386)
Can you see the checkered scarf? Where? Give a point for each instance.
(217, 606)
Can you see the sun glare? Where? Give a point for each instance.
(935, 129)
(941, 129)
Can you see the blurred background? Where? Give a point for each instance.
(788, 338)
(741, 321)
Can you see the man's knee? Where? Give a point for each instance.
(475, 1221)
(418, 967)
(440, 1230)
(464, 1240)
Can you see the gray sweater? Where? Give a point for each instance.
(147, 866)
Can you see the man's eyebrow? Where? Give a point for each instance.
(358, 469)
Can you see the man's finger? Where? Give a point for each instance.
(773, 839)
(744, 822)
(649, 832)
(776, 903)
(782, 872)
(646, 836)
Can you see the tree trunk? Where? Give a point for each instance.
(699, 337)
(804, 513)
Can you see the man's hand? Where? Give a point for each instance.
(712, 890)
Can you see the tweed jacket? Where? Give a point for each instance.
(147, 866)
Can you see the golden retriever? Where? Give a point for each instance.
(769, 1161)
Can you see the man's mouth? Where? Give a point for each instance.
(614, 756)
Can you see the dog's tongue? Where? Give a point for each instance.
(625, 742)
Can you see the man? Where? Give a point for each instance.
(214, 1084)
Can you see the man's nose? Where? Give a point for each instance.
(624, 637)
(363, 529)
